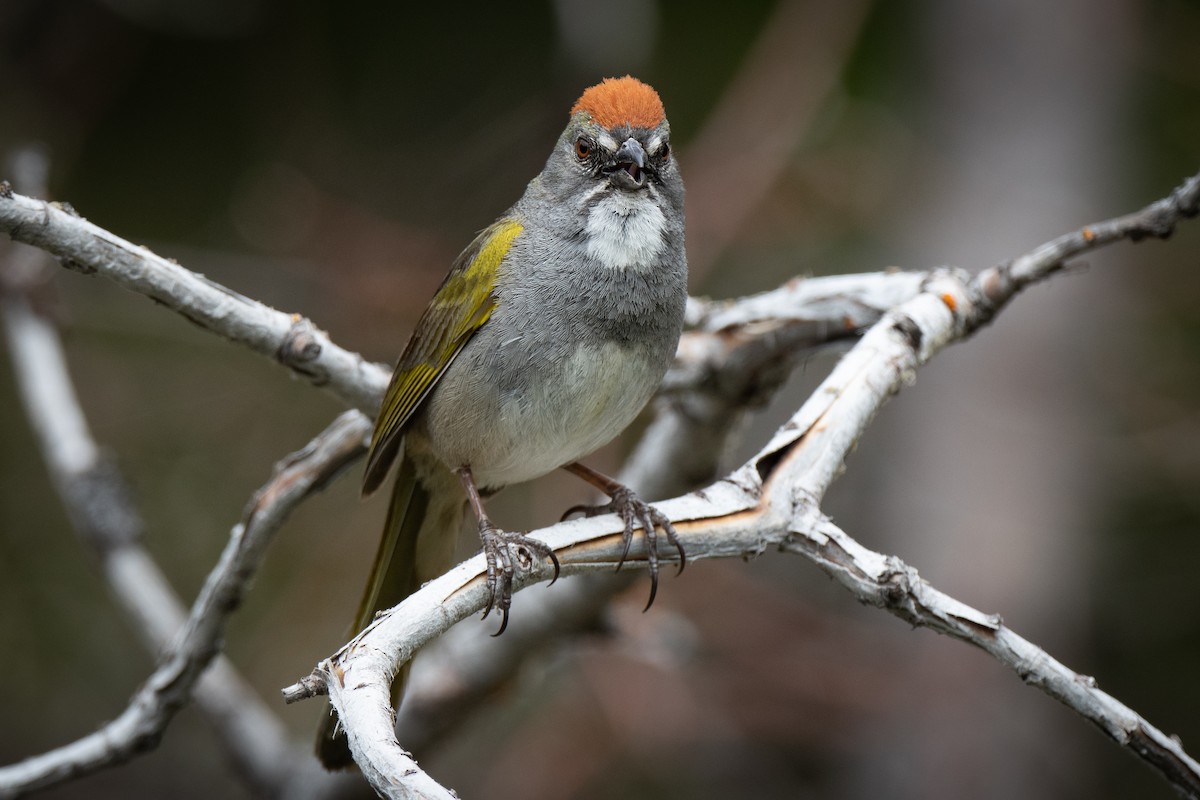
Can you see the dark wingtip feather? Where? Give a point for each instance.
(379, 462)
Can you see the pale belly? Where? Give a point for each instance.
(558, 416)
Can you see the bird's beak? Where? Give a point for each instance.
(629, 165)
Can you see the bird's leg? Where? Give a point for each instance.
(505, 551)
(633, 511)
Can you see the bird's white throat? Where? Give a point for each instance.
(626, 231)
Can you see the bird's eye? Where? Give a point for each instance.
(583, 148)
(664, 152)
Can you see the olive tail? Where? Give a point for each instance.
(394, 576)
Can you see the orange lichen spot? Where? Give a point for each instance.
(1089, 235)
(949, 300)
(621, 101)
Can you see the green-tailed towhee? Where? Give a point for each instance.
(549, 335)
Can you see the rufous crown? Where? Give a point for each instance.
(617, 101)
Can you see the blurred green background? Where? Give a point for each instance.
(332, 160)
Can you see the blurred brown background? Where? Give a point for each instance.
(332, 160)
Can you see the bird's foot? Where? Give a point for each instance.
(506, 552)
(636, 512)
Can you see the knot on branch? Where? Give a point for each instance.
(75, 265)
(910, 331)
(301, 346)
(804, 515)
(896, 584)
(1157, 222)
(992, 288)
(1158, 219)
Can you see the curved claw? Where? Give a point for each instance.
(503, 623)
(673, 538)
(582, 508)
(648, 525)
(682, 555)
(505, 595)
(653, 591)
(652, 544)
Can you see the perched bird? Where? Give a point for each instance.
(548, 336)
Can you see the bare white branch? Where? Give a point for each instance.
(732, 360)
(772, 501)
(736, 355)
(807, 313)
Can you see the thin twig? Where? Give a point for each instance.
(996, 286)
(288, 339)
(889, 583)
(168, 688)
